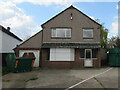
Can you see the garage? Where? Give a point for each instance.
(36, 53)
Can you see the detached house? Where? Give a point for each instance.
(70, 39)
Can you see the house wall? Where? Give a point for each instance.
(8, 43)
(78, 63)
(104, 56)
(78, 22)
(0, 42)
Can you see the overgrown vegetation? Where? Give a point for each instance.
(103, 34)
(113, 42)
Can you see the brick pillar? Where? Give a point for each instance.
(99, 57)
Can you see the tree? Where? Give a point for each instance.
(114, 42)
(117, 42)
(103, 34)
(103, 37)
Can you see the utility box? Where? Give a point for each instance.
(114, 57)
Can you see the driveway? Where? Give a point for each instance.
(106, 77)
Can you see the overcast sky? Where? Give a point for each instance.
(26, 16)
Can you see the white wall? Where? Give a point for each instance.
(8, 42)
(0, 41)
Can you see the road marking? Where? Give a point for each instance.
(87, 79)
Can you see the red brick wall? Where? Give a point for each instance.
(53, 64)
(97, 62)
(78, 63)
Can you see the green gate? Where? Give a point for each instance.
(114, 57)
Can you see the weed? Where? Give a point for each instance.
(34, 78)
(100, 84)
(6, 80)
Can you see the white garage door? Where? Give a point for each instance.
(61, 54)
(36, 53)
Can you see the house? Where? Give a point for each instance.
(8, 41)
(70, 39)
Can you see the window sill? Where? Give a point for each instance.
(84, 58)
(62, 61)
(87, 38)
(60, 37)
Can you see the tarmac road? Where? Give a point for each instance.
(63, 78)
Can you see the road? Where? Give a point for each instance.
(106, 77)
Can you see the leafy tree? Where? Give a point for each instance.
(103, 37)
(103, 34)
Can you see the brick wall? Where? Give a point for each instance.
(78, 63)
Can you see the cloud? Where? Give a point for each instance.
(59, 2)
(117, 7)
(20, 23)
(114, 29)
(46, 2)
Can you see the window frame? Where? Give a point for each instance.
(54, 52)
(90, 53)
(94, 51)
(85, 53)
(80, 50)
(88, 29)
(65, 29)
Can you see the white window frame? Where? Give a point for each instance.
(90, 52)
(54, 54)
(65, 30)
(87, 29)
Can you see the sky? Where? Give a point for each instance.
(26, 16)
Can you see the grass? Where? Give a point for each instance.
(34, 78)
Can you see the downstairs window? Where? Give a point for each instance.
(61, 54)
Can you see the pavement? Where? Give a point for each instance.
(63, 78)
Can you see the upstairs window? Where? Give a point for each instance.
(61, 32)
(87, 33)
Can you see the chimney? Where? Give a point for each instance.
(8, 28)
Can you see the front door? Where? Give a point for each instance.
(88, 62)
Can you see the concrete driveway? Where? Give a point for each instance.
(106, 77)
